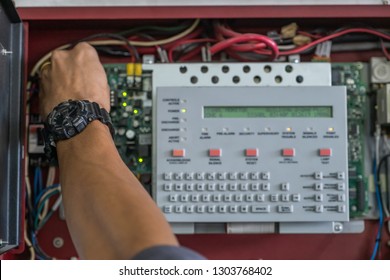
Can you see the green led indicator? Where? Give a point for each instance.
(124, 94)
(124, 104)
(140, 160)
(135, 111)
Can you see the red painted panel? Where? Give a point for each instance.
(115, 13)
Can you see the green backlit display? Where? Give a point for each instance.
(268, 112)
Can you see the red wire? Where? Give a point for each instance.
(224, 31)
(191, 54)
(384, 50)
(335, 35)
(245, 38)
(309, 35)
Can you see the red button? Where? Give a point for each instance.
(215, 152)
(290, 152)
(326, 152)
(251, 152)
(178, 153)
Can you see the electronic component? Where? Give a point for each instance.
(355, 77)
(35, 139)
(131, 117)
(250, 154)
(383, 102)
(380, 70)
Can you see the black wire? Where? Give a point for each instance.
(112, 36)
(112, 51)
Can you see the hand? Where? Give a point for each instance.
(76, 74)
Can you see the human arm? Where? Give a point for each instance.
(109, 214)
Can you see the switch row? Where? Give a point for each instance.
(231, 198)
(178, 176)
(286, 152)
(168, 209)
(217, 187)
(282, 209)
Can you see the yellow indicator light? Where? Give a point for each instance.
(124, 104)
(140, 160)
(183, 110)
(135, 112)
(124, 94)
(330, 129)
(289, 129)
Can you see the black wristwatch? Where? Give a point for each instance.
(68, 119)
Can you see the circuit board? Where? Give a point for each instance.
(131, 114)
(353, 76)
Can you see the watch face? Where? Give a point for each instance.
(62, 119)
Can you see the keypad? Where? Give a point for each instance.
(251, 193)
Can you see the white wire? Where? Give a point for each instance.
(49, 182)
(43, 216)
(36, 67)
(29, 244)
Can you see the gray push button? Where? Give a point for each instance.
(254, 175)
(319, 208)
(232, 175)
(189, 187)
(167, 176)
(210, 176)
(266, 186)
(244, 208)
(211, 208)
(179, 187)
(261, 209)
(318, 175)
(189, 176)
(285, 186)
(243, 175)
(199, 176)
(178, 176)
(167, 209)
(179, 208)
(233, 187)
(200, 187)
(318, 186)
(266, 175)
(221, 175)
(285, 209)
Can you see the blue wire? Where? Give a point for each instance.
(43, 192)
(35, 190)
(380, 208)
(40, 180)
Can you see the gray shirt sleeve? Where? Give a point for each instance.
(168, 253)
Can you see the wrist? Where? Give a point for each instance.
(92, 139)
(69, 119)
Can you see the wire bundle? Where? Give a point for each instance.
(39, 211)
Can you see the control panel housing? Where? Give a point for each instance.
(251, 154)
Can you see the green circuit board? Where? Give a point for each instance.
(131, 114)
(354, 77)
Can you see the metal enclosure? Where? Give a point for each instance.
(10, 127)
